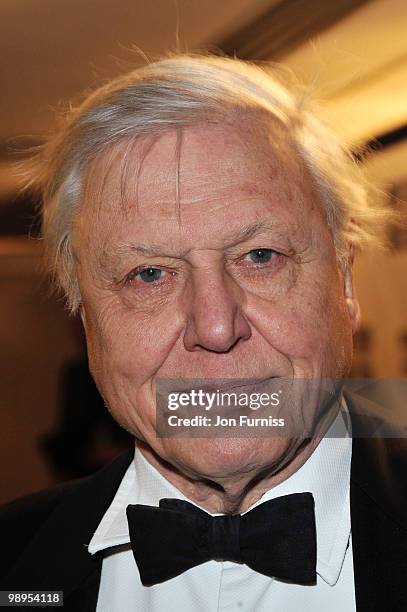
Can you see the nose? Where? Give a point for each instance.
(215, 320)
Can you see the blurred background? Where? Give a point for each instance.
(352, 53)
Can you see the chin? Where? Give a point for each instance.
(217, 458)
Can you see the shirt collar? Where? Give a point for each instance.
(326, 474)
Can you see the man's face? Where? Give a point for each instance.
(220, 265)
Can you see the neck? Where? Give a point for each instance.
(234, 494)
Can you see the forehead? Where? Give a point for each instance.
(222, 175)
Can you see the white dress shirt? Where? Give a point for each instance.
(217, 586)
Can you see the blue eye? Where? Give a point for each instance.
(259, 256)
(149, 275)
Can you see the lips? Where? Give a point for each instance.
(239, 385)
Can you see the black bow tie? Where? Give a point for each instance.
(277, 538)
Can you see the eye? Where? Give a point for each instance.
(147, 275)
(259, 256)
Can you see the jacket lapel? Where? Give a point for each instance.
(57, 558)
(378, 503)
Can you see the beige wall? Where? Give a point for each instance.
(382, 290)
(35, 339)
(381, 276)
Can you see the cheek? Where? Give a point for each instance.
(123, 345)
(305, 324)
(124, 354)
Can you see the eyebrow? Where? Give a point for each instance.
(231, 239)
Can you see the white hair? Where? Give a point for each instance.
(178, 91)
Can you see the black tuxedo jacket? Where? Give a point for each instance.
(44, 535)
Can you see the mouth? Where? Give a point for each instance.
(225, 384)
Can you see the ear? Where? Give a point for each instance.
(352, 302)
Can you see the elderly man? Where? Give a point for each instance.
(203, 224)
